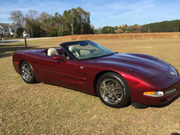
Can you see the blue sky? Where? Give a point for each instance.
(103, 12)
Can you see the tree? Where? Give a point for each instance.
(17, 17)
(134, 28)
(45, 22)
(19, 32)
(166, 26)
(72, 21)
(32, 24)
(77, 20)
(108, 29)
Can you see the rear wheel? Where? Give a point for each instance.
(113, 90)
(27, 72)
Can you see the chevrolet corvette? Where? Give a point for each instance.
(116, 78)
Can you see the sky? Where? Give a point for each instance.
(103, 12)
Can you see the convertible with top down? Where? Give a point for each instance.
(116, 78)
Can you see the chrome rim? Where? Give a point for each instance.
(111, 91)
(26, 72)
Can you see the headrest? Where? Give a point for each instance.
(52, 51)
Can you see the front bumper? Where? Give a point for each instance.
(169, 94)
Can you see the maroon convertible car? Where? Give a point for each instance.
(116, 78)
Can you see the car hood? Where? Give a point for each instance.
(140, 64)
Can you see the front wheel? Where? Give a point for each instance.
(113, 90)
(27, 72)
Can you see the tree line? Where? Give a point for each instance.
(165, 26)
(73, 21)
(77, 21)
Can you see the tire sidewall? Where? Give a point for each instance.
(33, 79)
(122, 82)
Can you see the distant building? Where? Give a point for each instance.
(8, 29)
(119, 31)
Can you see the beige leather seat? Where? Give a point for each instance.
(52, 52)
(74, 51)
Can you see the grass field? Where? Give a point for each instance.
(46, 109)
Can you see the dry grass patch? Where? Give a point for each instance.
(165, 35)
(46, 109)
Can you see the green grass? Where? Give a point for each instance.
(46, 109)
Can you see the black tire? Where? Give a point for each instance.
(27, 72)
(113, 87)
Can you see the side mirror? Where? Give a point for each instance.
(58, 58)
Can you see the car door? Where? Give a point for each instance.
(64, 73)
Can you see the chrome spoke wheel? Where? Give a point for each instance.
(111, 91)
(26, 72)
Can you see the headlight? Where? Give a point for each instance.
(154, 93)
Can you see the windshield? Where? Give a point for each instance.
(88, 49)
